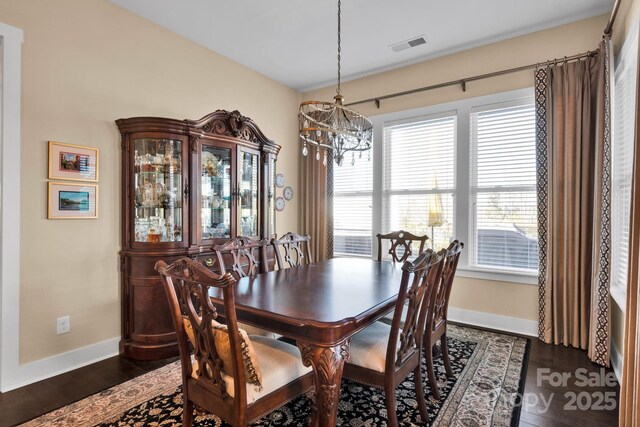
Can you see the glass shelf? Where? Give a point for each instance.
(153, 173)
(158, 185)
(215, 208)
(158, 207)
(248, 193)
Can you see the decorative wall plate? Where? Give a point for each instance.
(279, 204)
(280, 180)
(288, 193)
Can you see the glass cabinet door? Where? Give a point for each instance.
(215, 203)
(271, 196)
(248, 187)
(158, 184)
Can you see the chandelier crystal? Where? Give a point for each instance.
(332, 127)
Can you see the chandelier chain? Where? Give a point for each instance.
(330, 128)
(338, 90)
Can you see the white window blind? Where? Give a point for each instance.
(352, 194)
(622, 147)
(476, 158)
(419, 174)
(503, 186)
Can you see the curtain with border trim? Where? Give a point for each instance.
(574, 212)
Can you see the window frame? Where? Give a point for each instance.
(462, 172)
(357, 192)
(475, 190)
(387, 192)
(629, 48)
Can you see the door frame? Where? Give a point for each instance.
(10, 93)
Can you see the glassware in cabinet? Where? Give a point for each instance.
(215, 202)
(248, 190)
(271, 196)
(157, 189)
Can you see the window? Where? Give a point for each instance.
(419, 177)
(352, 193)
(475, 158)
(503, 187)
(622, 146)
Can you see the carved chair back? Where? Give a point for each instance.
(296, 250)
(404, 345)
(435, 328)
(187, 284)
(440, 301)
(418, 279)
(248, 257)
(400, 244)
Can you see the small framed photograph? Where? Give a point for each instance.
(72, 201)
(73, 162)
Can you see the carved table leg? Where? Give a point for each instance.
(327, 363)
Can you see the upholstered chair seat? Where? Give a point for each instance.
(280, 364)
(384, 355)
(255, 331)
(369, 347)
(225, 371)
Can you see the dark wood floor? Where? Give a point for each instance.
(578, 403)
(31, 401)
(23, 404)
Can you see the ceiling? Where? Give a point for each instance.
(295, 41)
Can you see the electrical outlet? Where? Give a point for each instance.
(63, 324)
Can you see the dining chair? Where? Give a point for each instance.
(296, 250)
(383, 355)
(243, 257)
(232, 375)
(247, 256)
(436, 319)
(400, 244)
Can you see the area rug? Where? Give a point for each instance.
(489, 371)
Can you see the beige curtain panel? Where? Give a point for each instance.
(315, 212)
(573, 162)
(630, 386)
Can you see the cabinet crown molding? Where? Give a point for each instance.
(233, 124)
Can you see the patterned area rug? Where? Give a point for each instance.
(489, 371)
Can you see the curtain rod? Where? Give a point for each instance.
(463, 82)
(612, 18)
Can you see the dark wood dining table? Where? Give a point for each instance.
(321, 306)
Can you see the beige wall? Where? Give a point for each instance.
(86, 64)
(503, 298)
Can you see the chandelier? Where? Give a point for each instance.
(332, 127)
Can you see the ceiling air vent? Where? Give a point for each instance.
(406, 44)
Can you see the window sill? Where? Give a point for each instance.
(341, 255)
(524, 278)
(620, 297)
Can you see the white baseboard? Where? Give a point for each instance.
(494, 321)
(616, 361)
(59, 364)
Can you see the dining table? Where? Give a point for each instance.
(321, 306)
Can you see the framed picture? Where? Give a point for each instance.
(72, 201)
(73, 162)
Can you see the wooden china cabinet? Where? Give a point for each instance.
(186, 185)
